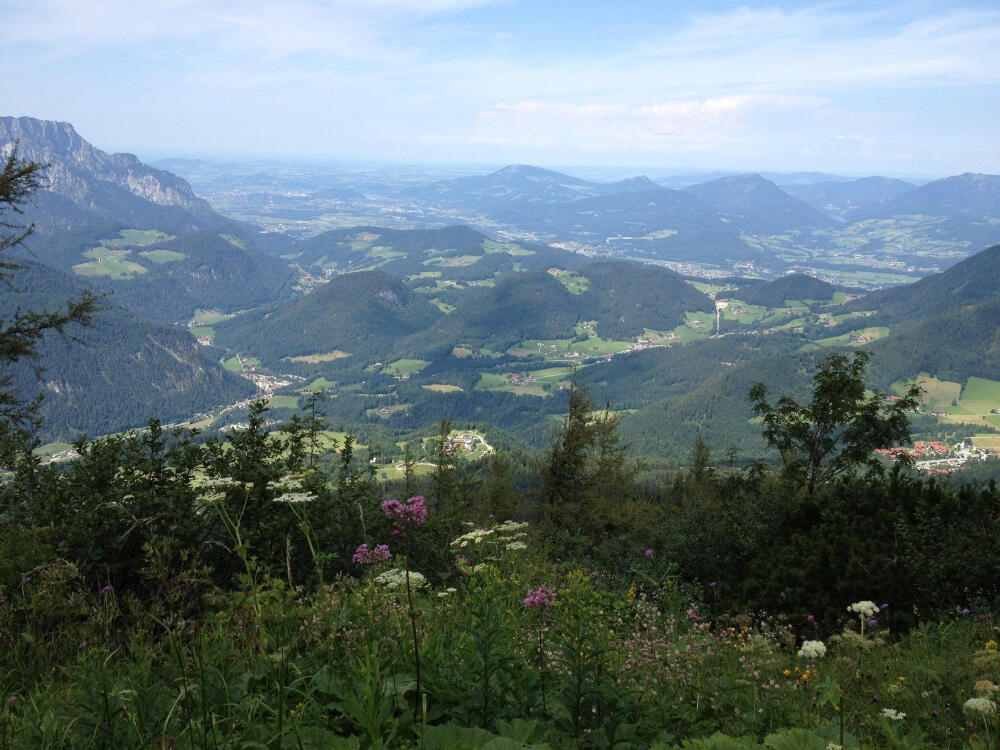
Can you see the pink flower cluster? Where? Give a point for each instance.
(408, 514)
(541, 598)
(365, 556)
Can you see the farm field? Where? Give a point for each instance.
(442, 388)
(137, 238)
(283, 402)
(574, 282)
(385, 412)
(161, 257)
(108, 262)
(697, 325)
(972, 404)
(858, 337)
(320, 384)
(406, 367)
(236, 363)
(317, 358)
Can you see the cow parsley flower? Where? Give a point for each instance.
(864, 608)
(891, 713)
(982, 706)
(812, 650)
(396, 579)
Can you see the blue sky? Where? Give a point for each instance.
(903, 88)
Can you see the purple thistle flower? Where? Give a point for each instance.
(810, 618)
(713, 584)
(406, 515)
(873, 623)
(885, 605)
(649, 553)
(365, 556)
(540, 599)
(965, 612)
(107, 588)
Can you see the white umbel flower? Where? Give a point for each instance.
(812, 650)
(982, 706)
(864, 608)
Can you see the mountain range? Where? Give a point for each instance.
(459, 321)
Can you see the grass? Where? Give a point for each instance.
(858, 337)
(743, 312)
(555, 349)
(208, 317)
(442, 388)
(48, 450)
(712, 290)
(317, 358)
(233, 363)
(454, 261)
(698, 325)
(283, 402)
(385, 412)
(491, 246)
(234, 241)
(489, 381)
(117, 270)
(442, 306)
(320, 384)
(162, 256)
(406, 367)
(937, 393)
(986, 441)
(982, 390)
(202, 332)
(137, 238)
(574, 282)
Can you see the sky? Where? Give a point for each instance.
(854, 88)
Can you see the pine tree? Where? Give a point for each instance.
(21, 334)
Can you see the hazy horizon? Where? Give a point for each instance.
(911, 90)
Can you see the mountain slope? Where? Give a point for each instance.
(967, 195)
(973, 280)
(137, 231)
(116, 373)
(838, 199)
(118, 187)
(623, 299)
(758, 206)
(795, 286)
(361, 313)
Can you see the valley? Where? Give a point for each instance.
(661, 298)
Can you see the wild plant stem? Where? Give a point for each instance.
(413, 626)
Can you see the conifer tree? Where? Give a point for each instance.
(21, 334)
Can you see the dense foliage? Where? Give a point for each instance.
(251, 590)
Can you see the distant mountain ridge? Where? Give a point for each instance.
(758, 206)
(89, 197)
(839, 198)
(106, 185)
(964, 195)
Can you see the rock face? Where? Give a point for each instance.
(93, 180)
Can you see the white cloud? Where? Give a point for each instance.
(660, 127)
